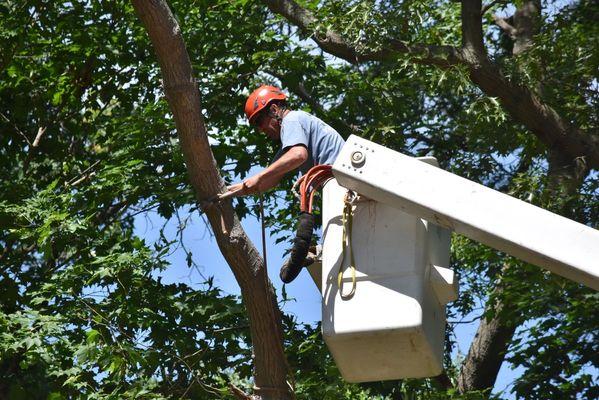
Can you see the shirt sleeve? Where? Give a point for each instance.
(293, 134)
(280, 152)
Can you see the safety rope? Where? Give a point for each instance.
(263, 226)
(347, 219)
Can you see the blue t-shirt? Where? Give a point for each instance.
(322, 141)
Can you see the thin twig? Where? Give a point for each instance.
(143, 210)
(83, 178)
(17, 128)
(464, 322)
(231, 328)
(40, 132)
(82, 175)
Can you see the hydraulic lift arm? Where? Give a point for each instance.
(530, 233)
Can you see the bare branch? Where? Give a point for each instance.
(36, 142)
(20, 132)
(505, 26)
(464, 322)
(82, 179)
(40, 132)
(83, 175)
(238, 393)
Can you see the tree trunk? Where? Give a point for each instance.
(270, 365)
(487, 351)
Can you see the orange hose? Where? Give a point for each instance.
(309, 183)
(322, 183)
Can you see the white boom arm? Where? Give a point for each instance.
(530, 233)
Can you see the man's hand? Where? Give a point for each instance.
(270, 177)
(250, 186)
(236, 190)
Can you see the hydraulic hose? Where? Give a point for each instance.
(308, 184)
(299, 251)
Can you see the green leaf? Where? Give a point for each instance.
(93, 336)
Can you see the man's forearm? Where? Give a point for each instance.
(271, 176)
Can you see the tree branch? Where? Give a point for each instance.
(300, 90)
(487, 351)
(523, 105)
(20, 132)
(238, 393)
(525, 21)
(270, 365)
(40, 132)
(336, 45)
(472, 28)
(505, 26)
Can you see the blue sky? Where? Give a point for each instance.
(307, 304)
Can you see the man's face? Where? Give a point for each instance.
(267, 123)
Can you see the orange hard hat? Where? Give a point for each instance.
(260, 98)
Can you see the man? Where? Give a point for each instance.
(305, 139)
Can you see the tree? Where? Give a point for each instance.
(89, 143)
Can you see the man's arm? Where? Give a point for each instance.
(268, 178)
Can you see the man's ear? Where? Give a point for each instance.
(275, 112)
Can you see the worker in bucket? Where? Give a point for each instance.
(305, 141)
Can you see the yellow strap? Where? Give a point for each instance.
(347, 218)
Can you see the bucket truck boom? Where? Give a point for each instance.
(530, 233)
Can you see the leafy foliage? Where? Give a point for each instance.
(87, 144)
